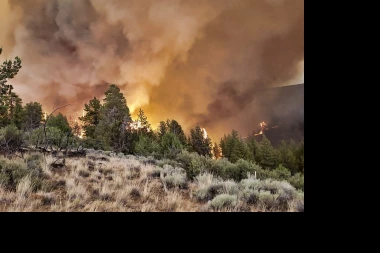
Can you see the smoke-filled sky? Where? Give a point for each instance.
(197, 61)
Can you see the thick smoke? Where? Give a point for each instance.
(198, 61)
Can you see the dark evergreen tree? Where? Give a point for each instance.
(114, 122)
(91, 118)
(8, 99)
(60, 122)
(174, 127)
(170, 145)
(234, 148)
(32, 116)
(162, 129)
(199, 143)
(266, 154)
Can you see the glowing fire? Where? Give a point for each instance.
(204, 133)
(135, 125)
(263, 127)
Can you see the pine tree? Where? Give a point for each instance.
(234, 148)
(174, 127)
(252, 146)
(162, 129)
(170, 145)
(60, 122)
(143, 123)
(115, 118)
(267, 154)
(91, 118)
(217, 151)
(287, 157)
(18, 113)
(198, 143)
(8, 99)
(8, 70)
(32, 116)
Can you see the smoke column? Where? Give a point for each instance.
(198, 61)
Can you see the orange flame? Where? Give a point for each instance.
(263, 127)
(204, 133)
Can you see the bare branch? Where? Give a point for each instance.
(47, 119)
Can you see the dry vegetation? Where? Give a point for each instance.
(103, 183)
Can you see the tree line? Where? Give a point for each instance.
(108, 125)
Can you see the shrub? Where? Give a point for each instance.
(163, 162)
(244, 167)
(280, 173)
(230, 187)
(220, 167)
(148, 160)
(10, 139)
(251, 184)
(170, 146)
(155, 173)
(193, 163)
(286, 194)
(146, 146)
(11, 173)
(297, 181)
(83, 173)
(250, 196)
(208, 187)
(135, 193)
(270, 185)
(268, 200)
(223, 201)
(33, 161)
(174, 177)
(131, 157)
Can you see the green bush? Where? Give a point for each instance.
(170, 146)
(163, 162)
(223, 201)
(209, 192)
(251, 184)
(193, 163)
(147, 146)
(268, 200)
(250, 196)
(12, 172)
(280, 173)
(230, 187)
(11, 139)
(173, 177)
(297, 181)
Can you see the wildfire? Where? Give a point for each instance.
(135, 125)
(204, 133)
(76, 124)
(263, 127)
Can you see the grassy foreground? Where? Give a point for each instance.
(103, 183)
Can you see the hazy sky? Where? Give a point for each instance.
(198, 61)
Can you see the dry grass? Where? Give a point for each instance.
(99, 183)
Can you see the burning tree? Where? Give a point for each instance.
(200, 142)
(216, 151)
(141, 125)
